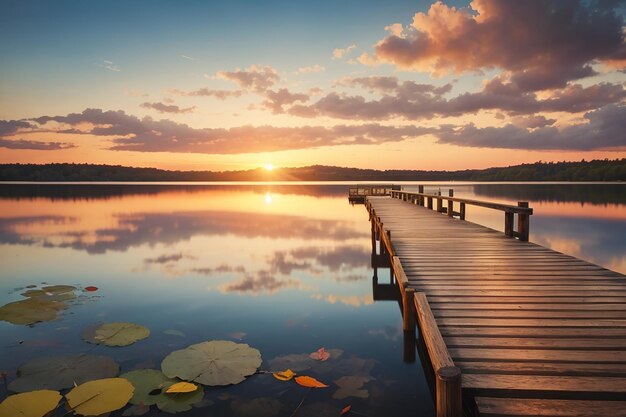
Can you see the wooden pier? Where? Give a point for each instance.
(510, 328)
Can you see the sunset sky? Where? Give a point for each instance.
(229, 85)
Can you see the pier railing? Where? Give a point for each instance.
(522, 210)
(416, 311)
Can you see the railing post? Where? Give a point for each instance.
(420, 199)
(430, 203)
(462, 211)
(439, 204)
(448, 386)
(450, 203)
(523, 223)
(508, 223)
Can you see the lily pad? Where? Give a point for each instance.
(59, 372)
(31, 311)
(116, 334)
(53, 293)
(30, 404)
(100, 396)
(146, 381)
(217, 362)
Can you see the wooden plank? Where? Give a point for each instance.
(536, 343)
(492, 407)
(542, 368)
(519, 319)
(575, 384)
(539, 355)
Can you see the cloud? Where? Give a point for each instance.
(350, 300)
(110, 65)
(263, 282)
(220, 269)
(542, 44)
(604, 130)
(34, 145)
(167, 108)
(256, 78)
(163, 259)
(186, 57)
(130, 133)
(9, 127)
(275, 100)
(311, 69)
(205, 92)
(413, 101)
(339, 53)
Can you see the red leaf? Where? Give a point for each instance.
(320, 355)
(91, 288)
(345, 410)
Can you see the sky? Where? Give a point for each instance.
(208, 85)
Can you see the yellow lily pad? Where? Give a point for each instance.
(30, 404)
(31, 311)
(100, 396)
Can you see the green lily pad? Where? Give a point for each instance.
(116, 334)
(31, 311)
(217, 362)
(146, 381)
(53, 292)
(30, 404)
(100, 396)
(59, 372)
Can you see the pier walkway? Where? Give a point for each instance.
(511, 328)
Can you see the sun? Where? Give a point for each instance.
(269, 167)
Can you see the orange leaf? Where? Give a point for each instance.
(307, 381)
(284, 375)
(345, 410)
(320, 355)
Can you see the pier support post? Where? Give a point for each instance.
(450, 203)
(448, 386)
(508, 223)
(523, 223)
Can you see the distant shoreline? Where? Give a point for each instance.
(562, 172)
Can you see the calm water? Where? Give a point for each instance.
(285, 269)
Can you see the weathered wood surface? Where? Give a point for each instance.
(534, 331)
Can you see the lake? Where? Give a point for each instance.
(282, 268)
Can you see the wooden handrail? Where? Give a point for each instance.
(488, 204)
(448, 398)
(522, 210)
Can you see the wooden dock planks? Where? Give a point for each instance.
(534, 331)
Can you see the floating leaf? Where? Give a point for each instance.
(320, 355)
(100, 396)
(284, 375)
(345, 410)
(217, 362)
(181, 387)
(91, 288)
(350, 386)
(59, 372)
(116, 334)
(31, 310)
(30, 404)
(150, 386)
(309, 382)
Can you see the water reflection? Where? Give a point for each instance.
(283, 268)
